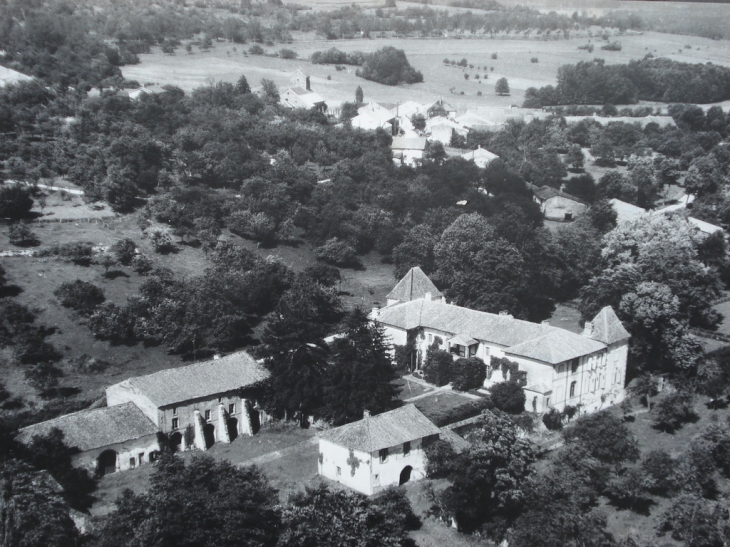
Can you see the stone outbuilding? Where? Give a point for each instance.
(377, 451)
(200, 404)
(408, 150)
(108, 439)
(557, 205)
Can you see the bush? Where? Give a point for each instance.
(15, 202)
(553, 420)
(43, 376)
(458, 413)
(256, 226)
(288, 54)
(437, 367)
(468, 373)
(534, 60)
(161, 241)
(142, 265)
(660, 468)
(124, 250)
(674, 410)
(605, 437)
(337, 253)
(256, 50)
(508, 397)
(110, 322)
(80, 296)
(613, 46)
(439, 459)
(22, 236)
(79, 253)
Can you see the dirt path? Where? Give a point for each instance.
(278, 454)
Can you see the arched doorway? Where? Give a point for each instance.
(209, 434)
(107, 462)
(176, 441)
(405, 475)
(232, 428)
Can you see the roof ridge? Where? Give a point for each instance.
(83, 410)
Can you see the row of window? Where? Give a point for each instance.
(384, 452)
(139, 460)
(176, 421)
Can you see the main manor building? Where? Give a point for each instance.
(561, 367)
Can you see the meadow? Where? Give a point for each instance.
(227, 62)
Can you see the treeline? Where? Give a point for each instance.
(650, 79)
(334, 56)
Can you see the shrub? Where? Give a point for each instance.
(508, 397)
(79, 253)
(494, 56)
(256, 226)
(161, 241)
(142, 265)
(324, 274)
(15, 202)
(613, 46)
(80, 296)
(455, 414)
(43, 376)
(674, 410)
(660, 468)
(534, 60)
(605, 437)
(337, 253)
(256, 50)
(124, 250)
(22, 236)
(553, 420)
(439, 459)
(437, 367)
(288, 54)
(110, 322)
(468, 373)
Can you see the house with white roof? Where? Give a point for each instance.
(299, 97)
(408, 150)
(481, 156)
(108, 439)
(200, 404)
(627, 211)
(558, 367)
(441, 129)
(377, 451)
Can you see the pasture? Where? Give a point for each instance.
(227, 62)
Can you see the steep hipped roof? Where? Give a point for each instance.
(175, 385)
(385, 430)
(480, 154)
(557, 346)
(607, 327)
(89, 429)
(626, 211)
(415, 284)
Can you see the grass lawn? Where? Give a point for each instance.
(411, 389)
(441, 404)
(566, 318)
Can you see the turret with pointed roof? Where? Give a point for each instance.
(606, 327)
(415, 284)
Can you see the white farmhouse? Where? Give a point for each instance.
(408, 150)
(377, 451)
(481, 156)
(557, 367)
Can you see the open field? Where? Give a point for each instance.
(227, 62)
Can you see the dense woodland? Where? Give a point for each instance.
(224, 158)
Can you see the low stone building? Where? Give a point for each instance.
(377, 451)
(408, 150)
(557, 205)
(108, 439)
(481, 157)
(200, 404)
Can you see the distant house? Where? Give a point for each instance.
(555, 366)
(369, 122)
(377, 451)
(441, 129)
(198, 405)
(109, 439)
(300, 97)
(557, 205)
(152, 89)
(300, 79)
(408, 150)
(440, 108)
(481, 156)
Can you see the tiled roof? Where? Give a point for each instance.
(175, 385)
(547, 192)
(607, 327)
(409, 143)
(557, 346)
(502, 330)
(462, 340)
(385, 430)
(415, 284)
(457, 442)
(539, 388)
(479, 153)
(95, 428)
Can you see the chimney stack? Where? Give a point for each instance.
(365, 414)
(217, 356)
(428, 296)
(588, 329)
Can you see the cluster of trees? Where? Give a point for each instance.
(334, 56)
(439, 368)
(650, 79)
(223, 505)
(389, 66)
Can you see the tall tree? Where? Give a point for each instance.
(202, 503)
(359, 95)
(295, 349)
(361, 374)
